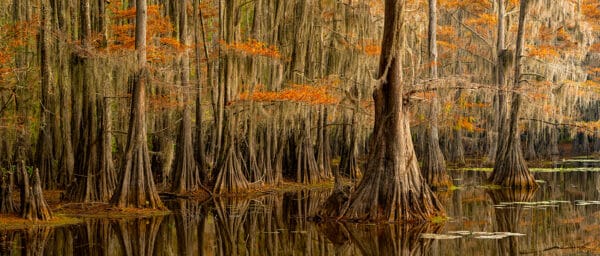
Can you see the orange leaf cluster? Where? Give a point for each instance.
(208, 9)
(161, 45)
(543, 52)
(595, 48)
(253, 47)
(538, 96)
(593, 71)
(376, 7)
(474, 105)
(446, 32)
(14, 36)
(483, 19)
(447, 45)
(315, 95)
(164, 101)
(467, 123)
(369, 47)
(474, 5)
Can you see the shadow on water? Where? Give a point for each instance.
(561, 217)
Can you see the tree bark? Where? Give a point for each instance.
(392, 188)
(510, 168)
(186, 176)
(136, 187)
(46, 144)
(33, 204)
(95, 173)
(434, 164)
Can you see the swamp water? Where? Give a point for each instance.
(562, 217)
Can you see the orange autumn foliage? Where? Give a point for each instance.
(483, 19)
(253, 47)
(319, 93)
(315, 95)
(12, 37)
(543, 52)
(467, 123)
(474, 5)
(161, 46)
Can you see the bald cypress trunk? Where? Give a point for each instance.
(510, 168)
(229, 177)
(47, 138)
(186, 176)
(136, 187)
(95, 173)
(33, 204)
(392, 188)
(434, 164)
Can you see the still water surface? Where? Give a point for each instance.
(562, 217)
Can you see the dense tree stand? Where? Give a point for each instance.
(95, 174)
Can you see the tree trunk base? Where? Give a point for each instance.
(34, 206)
(510, 170)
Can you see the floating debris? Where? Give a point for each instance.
(461, 232)
(475, 234)
(439, 236)
(584, 203)
(533, 205)
(496, 236)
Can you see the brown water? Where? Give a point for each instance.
(564, 221)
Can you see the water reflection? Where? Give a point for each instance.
(508, 217)
(555, 220)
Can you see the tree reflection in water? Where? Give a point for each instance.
(380, 239)
(507, 218)
(279, 224)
